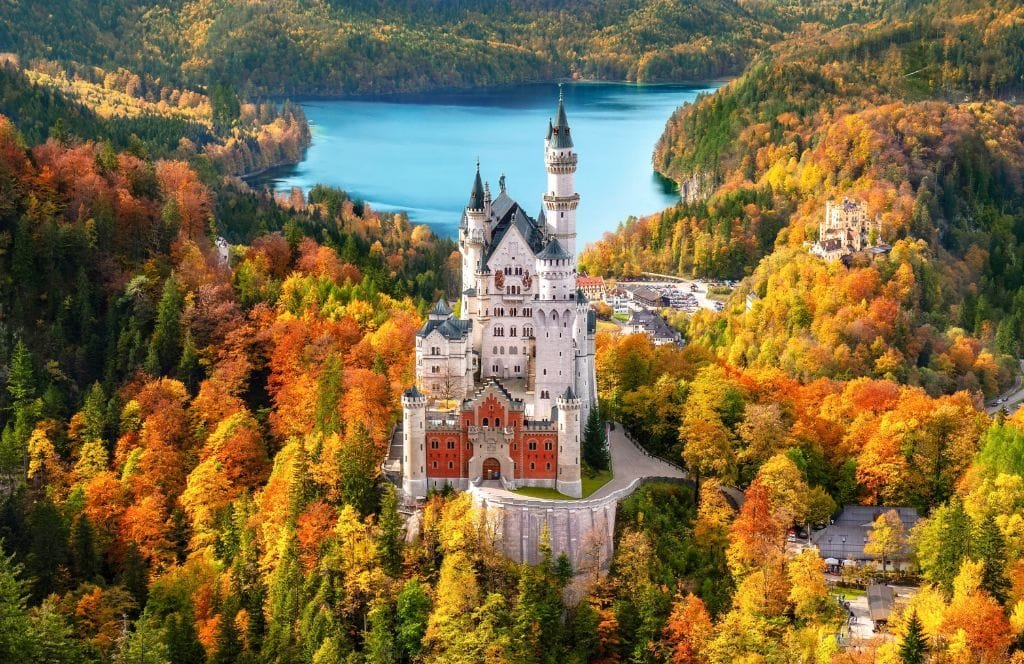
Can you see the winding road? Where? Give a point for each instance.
(1012, 398)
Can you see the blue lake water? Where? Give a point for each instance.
(417, 153)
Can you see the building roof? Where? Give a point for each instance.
(653, 324)
(591, 321)
(413, 392)
(880, 602)
(509, 215)
(845, 537)
(441, 309)
(568, 394)
(585, 281)
(560, 133)
(553, 251)
(476, 197)
(449, 328)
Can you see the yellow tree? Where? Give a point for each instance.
(886, 538)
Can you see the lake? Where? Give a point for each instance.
(417, 154)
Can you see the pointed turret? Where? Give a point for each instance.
(560, 134)
(476, 197)
(550, 128)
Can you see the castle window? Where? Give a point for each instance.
(435, 369)
(548, 465)
(495, 350)
(547, 446)
(494, 368)
(451, 444)
(532, 445)
(512, 331)
(485, 422)
(433, 444)
(513, 350)
(451, 465)
(533, 466)
(527, 331)
(515, 446)
(497, 422)
(433, 464)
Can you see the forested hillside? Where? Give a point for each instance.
(905, 116)
(373, 46)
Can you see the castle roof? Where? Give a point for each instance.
(553, 251)
(441, 309)
(449, 328)
(476, 197)
(512, 215)
(560, 137)
(413, 393)
(568, 394)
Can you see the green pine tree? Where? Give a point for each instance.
(990, 549)
(379, 643)
(357, 469)
(165, 344)
(954, 545)
(228, 649)
(21, 380)
(188, 370)
(328, 396)
(144, 645)
(595, 448)
(283, 604)
(914, 647)
(183, 646)
(83, 556)
(413, 611)
(389, 542)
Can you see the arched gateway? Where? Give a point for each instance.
(491, 469)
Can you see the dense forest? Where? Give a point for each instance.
(939, 160)
(335, 47)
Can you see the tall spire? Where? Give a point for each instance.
(560, 130)
(476, 198)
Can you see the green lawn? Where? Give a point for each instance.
(590, 485)
(848, 592)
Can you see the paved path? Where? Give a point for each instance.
(628, 463)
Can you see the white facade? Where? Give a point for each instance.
(522, 320)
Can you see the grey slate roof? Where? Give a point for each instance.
(568, 394)
(513, 216)
(553, 251)
(476, 197)
(412, 392)
(560, 131)
(845, 537)
(441, 309)
(450, 328)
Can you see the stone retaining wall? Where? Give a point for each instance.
(582, 529)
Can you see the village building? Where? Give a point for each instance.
(841, 543)
(593, 287)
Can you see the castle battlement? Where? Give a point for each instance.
(519, 358)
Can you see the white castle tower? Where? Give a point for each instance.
(569, 427)
(561, 199)
(414, 427)
(503, 389)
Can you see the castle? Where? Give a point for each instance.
(846, 230)
(503, 389)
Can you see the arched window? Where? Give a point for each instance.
(547, 446)
(433, 445)
(485, 422)
(451, 444)
(497, 422)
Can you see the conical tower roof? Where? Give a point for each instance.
(560, 133)
(476, 197)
